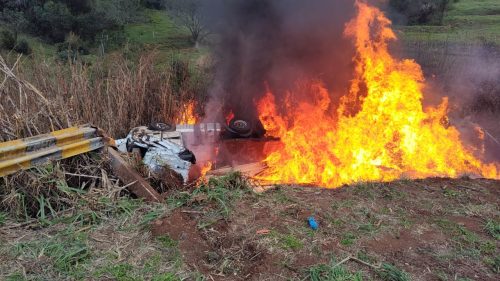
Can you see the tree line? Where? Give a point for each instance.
(55, 20)
(415, 12)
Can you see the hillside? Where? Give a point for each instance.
(467, 22)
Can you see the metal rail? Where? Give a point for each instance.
(26, 153)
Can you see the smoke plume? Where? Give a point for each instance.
(276, 43)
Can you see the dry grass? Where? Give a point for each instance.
(48, 192)
(115, 94)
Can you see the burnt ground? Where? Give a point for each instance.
(433, 229)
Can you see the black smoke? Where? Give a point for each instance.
(277, 43)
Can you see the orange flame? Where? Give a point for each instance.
(229, 117)
(188, 116)
(206, 168)
(389, 135)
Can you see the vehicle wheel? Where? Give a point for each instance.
(240, 127)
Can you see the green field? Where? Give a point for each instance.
(156, 31)
(159, 32)
(468, 21)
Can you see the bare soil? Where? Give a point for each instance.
(433, 229)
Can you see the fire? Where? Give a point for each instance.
(188, 116)
(229, 117)
(206, 168)
(381, 133)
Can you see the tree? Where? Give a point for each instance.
(421, 11)
(154, 4)
(14, 20)
(188, 13)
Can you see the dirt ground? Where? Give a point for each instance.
(433, 229)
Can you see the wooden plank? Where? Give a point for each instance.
(138, 185)
(248, 170)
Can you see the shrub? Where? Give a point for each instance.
(154, 4)
(421, 11)
(23, 47)
(7, 40)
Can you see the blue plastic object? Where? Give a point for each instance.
(312, 223)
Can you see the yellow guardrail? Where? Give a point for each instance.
(26, 153)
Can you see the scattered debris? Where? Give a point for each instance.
(136, 184)
(313, 224)
(264, 231)
(248, 170)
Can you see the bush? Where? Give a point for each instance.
(7, 40)
(23, 47)
(154, 4)
(421, 11)
(54, 20)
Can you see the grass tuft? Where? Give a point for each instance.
(389, 272)
(332, 273)
(222, 191)
(3, 218)
(167, 242)
(493, 228)
(67, 251)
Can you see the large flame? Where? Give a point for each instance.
(379, 132)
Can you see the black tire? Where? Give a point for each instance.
(188, 155)
(162, 127)
(240, 127)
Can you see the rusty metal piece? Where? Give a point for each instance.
(26, 153)
(138, 185)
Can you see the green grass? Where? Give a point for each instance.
(493, 228)
(291, 242)
(158, 29)
(348, 239)
(161, 33)
(67, 251)
(466, 243)
(468, 21)
(222, 192)
(332, 273)
(3, 218)
(389, 272)
(167, 242)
